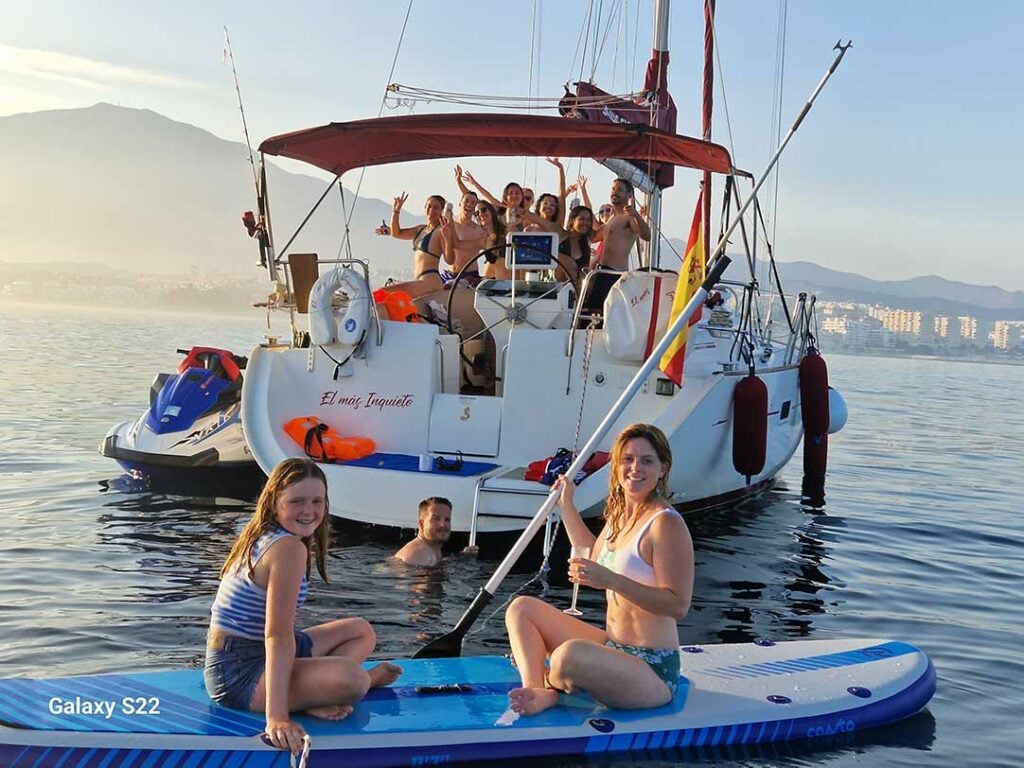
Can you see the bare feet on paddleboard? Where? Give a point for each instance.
(331, 711)
(530, 701)
(384, 673)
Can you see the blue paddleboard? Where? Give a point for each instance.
(449, 710)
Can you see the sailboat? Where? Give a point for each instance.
(518, 370)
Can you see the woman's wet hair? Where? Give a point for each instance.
(438, 199)
(615, 509)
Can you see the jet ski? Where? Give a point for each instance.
(189, 440)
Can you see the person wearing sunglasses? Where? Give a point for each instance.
(494, 261)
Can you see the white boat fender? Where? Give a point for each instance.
(348, 326)
(837, 412)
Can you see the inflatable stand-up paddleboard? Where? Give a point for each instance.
(448, 710)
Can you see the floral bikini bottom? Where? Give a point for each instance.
(663, 661)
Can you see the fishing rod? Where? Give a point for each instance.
(238, 91)
(450, 644)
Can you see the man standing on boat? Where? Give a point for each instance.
(432, 533)
(619, 235)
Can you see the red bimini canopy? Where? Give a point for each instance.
(339, 147)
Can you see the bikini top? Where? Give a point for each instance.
(626, 560)
(565, 249)
(421, 242)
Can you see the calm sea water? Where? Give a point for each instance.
(919, 539)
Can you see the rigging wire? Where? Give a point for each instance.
(780, 71)
(576, 53)
(586, 37)
(632, 77)
(410, 94)
(534, 57)
(613, 12)
(618, 40)
(597, 34)
(362, 171)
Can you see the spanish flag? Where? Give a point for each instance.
(691, 275)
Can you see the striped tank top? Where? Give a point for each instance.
(240, 607)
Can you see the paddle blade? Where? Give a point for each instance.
(451, 644)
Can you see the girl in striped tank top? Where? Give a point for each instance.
(256, 659)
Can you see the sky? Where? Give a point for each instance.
(909, 163)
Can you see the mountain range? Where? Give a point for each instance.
(132, 189)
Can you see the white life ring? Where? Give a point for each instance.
(328, 326)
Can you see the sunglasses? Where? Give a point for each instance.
(481, 211)
(604, 211)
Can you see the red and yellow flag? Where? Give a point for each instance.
(691, 275)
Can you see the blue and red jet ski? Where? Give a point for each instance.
(190, 440)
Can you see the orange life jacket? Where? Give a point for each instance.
(397, 305)
(322, 443)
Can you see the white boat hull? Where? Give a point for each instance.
(403, 393)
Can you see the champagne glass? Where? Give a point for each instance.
(575, 553)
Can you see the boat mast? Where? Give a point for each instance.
(661, 11)
(707, 89)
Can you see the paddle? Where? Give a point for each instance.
(450, 644)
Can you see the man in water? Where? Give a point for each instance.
(432, 533)
(621, 231)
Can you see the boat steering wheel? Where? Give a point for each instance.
(515, 314)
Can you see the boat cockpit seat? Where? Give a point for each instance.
(595, 289)
(305, 270)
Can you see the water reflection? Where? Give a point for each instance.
(760, 570)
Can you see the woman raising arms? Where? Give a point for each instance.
(255, 658)
(643, 558)
(512, 203)
(463, 241)
(427, 244)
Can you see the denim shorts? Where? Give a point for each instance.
(232, 673)
(664, 662)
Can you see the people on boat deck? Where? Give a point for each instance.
(643, 559)
(549, 213)
(574, 250)
(511, 205)
(464, 239)
(527, 198)
(428, 246)
(433, 531)
(493, 264)
(621, 231)
(256, 659)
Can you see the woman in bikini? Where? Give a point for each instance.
(488, 218)
(643, 559)
(575, 248)
(427, 244)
